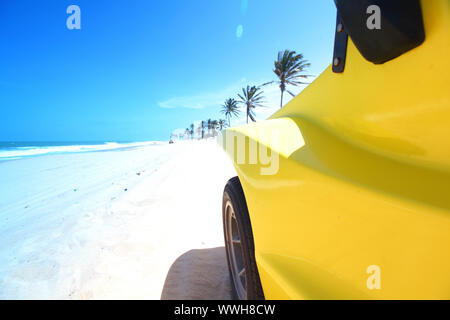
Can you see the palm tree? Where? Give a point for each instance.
(230, 108)
(191, 131)
(209, 126)
(203, 126)
(221, 124)
(251, 98)
(214, 124)
(288, 68)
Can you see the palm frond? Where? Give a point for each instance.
(251, 98)
(289, 67)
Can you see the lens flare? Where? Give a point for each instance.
(239, 31)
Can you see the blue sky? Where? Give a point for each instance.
(139, 69)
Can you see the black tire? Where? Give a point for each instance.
(240, 228)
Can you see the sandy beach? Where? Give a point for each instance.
(132, 223)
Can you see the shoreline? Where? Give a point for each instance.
(101, 147)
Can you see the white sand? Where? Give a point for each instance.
(102, 242)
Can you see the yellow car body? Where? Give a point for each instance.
(363, 181)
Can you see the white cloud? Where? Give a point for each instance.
(203, 100)
(216, 99)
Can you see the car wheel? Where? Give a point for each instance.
(239, 243)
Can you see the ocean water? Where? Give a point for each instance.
(12, 150)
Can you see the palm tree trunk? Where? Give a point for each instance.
(248, 111)
(281, 103)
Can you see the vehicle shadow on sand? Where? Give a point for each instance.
(198, 274)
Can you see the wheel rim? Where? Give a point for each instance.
(235, 252)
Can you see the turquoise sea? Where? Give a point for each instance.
(11, 150)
